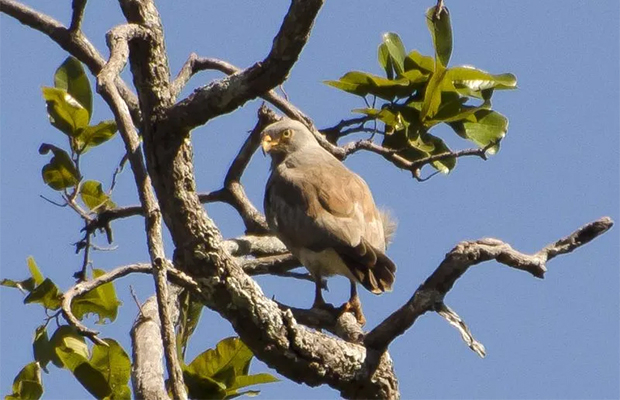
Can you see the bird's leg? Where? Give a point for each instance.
(354, 306)
(318, 293)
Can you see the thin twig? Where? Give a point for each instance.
(53, 202)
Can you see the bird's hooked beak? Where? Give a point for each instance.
(267, 144)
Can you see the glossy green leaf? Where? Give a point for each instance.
(441, 32)
(66, 336)
(41, 347)
(417, 61)
(65, 112)
(94, 197)
(60, 173)
(203, 387)
(36, 274)
(92, 379)
(484, 128)
(101, 301)
(385, 61)
(27, 384)
(190, 311)
(230, 353)
(95, 135)
(363, 84)
(114, 364)
(432, 95)
(70, 76)
(47, 294)
(396, 50)
(478, 80)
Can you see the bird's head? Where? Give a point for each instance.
(285, 137)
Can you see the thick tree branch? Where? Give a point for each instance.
(430, 295)
(147, 370)
(74, 42)
(225, 95)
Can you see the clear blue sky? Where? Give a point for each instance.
(558, 169)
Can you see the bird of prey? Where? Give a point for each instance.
(325, 214)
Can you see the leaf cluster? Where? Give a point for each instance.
(218, 373)
(104, 371)
(421, 92)
(69, 108)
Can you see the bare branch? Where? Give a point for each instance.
(227, 94)
(147, 370)
(118, 41)
(429, 296)
(78, 13)
(74, 42)
(83, 287)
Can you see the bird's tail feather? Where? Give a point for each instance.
(373, 269)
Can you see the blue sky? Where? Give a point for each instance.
(557, 169)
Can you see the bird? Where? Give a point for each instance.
(325, 214)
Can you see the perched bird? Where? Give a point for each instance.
(325, 214)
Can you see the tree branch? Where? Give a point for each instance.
(225, 95)
(118, 40)
(429, 296)
(78, 7)
(147, 370)
(74, 42)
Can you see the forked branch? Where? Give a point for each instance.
(430, 295)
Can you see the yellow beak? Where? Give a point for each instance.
(268, 143)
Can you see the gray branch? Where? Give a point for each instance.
(429, 296)
(225, 95)
(74, 42)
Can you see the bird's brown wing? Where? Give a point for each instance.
(326, 206)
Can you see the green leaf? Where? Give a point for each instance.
(67, 337)
(432, 95)
(41, 347)
(417, 61)
(363, 84)
(64, 111)
(70, 76)
(441, 32)
(27, 384)
(101, 301)
(25, 285)
(47, 294)
(478, 80)
(95, 135)
(385, 61)
(249, 380)
(230, 353)
(60, 173)
(203, 387)
(92, 379)
(36, 274)
(114, 364)
(432, 145)
(396, 50)
(485, 127)
(94, 197)
(190, 309)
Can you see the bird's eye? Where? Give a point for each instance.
(287, 133)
